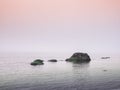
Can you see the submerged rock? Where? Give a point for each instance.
(105, 70)
(37, 62)
(52, 60)
(79, 58)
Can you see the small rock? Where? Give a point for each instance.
(37, 62)
(52, 60)
(105, 57)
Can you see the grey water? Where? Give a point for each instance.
(16, 73)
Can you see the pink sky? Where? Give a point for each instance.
(58, 25)
(44, 10)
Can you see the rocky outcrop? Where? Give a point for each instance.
(79, 58)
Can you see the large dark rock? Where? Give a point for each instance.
(79, 58)
(37, 62)
(52, 60)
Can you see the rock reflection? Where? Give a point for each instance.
(80, 65)
(80, 74)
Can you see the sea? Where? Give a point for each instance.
(16, 73)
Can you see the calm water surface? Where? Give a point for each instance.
(16, 73)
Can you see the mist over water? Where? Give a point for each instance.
(57, 29)
(16, 73)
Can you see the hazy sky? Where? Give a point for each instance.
(59, 25)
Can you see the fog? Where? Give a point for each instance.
(60, 26)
